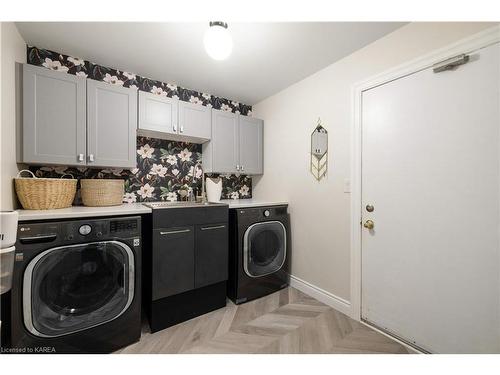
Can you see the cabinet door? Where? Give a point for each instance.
(173, 261)
(195, 120)
(251, 150)
(111, 125)
(158, 113)
(53, 117)
(211, 254)
(224, 142)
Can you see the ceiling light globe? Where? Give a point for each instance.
(218, 42)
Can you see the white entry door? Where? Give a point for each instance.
(430, 169)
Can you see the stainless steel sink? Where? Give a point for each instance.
(159, 205)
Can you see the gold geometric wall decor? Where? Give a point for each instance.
(319, 152)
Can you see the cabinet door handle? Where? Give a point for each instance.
(237, 167)
(174, 126)
(212, 228)
(80, 158)
(182, 129)
(91, 157)
(175, 231)
(241, 168)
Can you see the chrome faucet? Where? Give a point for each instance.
(199, 165)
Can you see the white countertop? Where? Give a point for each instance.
(252, 202)
(124, 209)
(82, 211)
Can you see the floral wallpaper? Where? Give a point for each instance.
(85, 69)
(165, 171)
(234, 186)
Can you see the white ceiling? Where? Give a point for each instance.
(266, 58)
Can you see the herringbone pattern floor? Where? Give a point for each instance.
(284, 322)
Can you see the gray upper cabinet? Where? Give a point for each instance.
(75, 121)
(158, 113)
(251, 150)
(111, 125)
(54, 122)
(173, 119)
(221, 153)
(195, 120)
(236, 144)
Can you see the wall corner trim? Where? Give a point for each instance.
(321, 295)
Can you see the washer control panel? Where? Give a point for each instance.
(252, 214)
(77, 231)
(85, 229)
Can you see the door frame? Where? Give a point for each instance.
(480, 40)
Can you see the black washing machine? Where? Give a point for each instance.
(259, 252)
(77, 286)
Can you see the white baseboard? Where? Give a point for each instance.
(338, 304)
(410, 348)
(321, 295)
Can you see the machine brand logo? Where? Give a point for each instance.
(25, 229)
(137, 241)
(19, 257)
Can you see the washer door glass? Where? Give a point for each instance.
(264, 248)
(71, 288)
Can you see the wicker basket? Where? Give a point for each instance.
(44, 193)
(102, 192)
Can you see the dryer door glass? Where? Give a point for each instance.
(71, 288)
(264, 248)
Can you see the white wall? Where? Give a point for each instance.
(13, 49)
(320, 212)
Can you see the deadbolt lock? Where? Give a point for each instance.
(369, 208)
(369, 224)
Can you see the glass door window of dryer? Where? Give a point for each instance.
(71, 288)
(264, 248)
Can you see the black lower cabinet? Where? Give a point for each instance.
(211, 254)
(188, 267)
(176, 309)
(173, 259)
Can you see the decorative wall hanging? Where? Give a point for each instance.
(319, 152)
